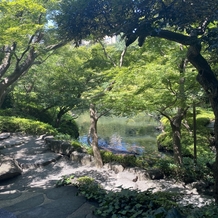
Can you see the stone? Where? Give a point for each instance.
(141, 173)
(87, 160)
(81, 158)
(9, 168)
(5, 135)
(39, 160)
(117, 168)
(58, 146)
(155, 174)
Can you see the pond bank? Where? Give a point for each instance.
(135, 135)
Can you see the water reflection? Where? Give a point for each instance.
(136, 135)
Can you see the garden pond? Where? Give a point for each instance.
(135, 135)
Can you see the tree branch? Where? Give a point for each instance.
(176, 37)
(7, 59)
(122, 56)
(106, 54)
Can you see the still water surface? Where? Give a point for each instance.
(137, 134)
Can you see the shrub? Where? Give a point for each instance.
(164, 140)
(125, 160)
(69, 127)
(14, 124)
(126, 202)
(65, 180)
(133, 203)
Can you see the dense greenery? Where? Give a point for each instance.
(204, 134)
(16, 124)
(190, 23)
(132, 203)
(26, 39)
(41, 89)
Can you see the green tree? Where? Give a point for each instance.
(190, 23)
(161, 82)
(25, 39)
(104, 58)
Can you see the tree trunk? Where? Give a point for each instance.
(19, 70)
(94, 135)
(205, 77)
(175, 123)
(209, 82)
(62, 111)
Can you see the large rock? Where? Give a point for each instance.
(5, 135)
(117, 168)
(9, 168)
(58, 146)
(82, 158)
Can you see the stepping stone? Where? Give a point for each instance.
(5, 135)
(38, 160)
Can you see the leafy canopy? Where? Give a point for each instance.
(138, 18)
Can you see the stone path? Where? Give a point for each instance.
(33, 194)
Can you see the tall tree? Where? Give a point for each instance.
(96, 95)
(57, 84)
(191, 23)
(25, 39)
(161, 82)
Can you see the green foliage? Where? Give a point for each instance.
(18, 20)
(188, 172)
(134, 203)
(125, 160)
(61, 136)
(65, 180)
(90, 189)
(203, 118)
(208, 211)
(126, 202)
(15, 124)
(77, 145)
(168, 167)
(69, 127)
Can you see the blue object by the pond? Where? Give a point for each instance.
(6, 214)
(115, 144)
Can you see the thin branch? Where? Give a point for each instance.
(122, 56)
(44, 60)
(104, 113)
(106, 54)
(55, 46)
(26, 50)
(169, 87)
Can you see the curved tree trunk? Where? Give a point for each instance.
(205, 77)
(93, 133)
(209, 82)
